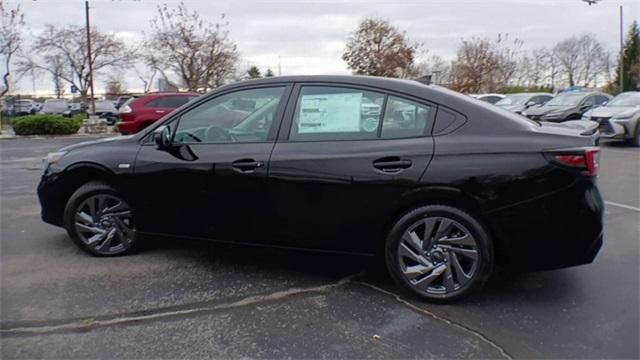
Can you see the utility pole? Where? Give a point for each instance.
(93, 101)
(621, 52)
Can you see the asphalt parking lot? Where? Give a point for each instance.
(172, 300)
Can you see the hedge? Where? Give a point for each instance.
(47, 124)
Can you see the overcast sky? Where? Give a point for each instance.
(309, 36)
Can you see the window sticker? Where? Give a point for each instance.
(320, 113)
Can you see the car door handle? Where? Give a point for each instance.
(160, 111)
(392, 164)
(246, 165)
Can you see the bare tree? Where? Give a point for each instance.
(582, 58)
(147, 77)
(507, 53)
(57, 66)
(436, 66)
(199, 53)
(11, 24)
(475, 66)
(67, 46)
(115, 87)
(378, 48)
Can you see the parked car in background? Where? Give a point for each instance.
(567, 106)
(619, 118)
(520, 102)
(24, 107)
(138, 113)
(55, 106)
(106, 110)
(74, 108)
(297, 162)
(490, 98)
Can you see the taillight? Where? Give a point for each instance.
(584, 158)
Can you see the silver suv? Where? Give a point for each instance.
(619, 118)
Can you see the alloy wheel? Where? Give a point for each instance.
(438, 255)
(105, 224)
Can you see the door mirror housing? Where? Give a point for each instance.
(530, 103)
(162, 137)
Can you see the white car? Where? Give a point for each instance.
(619, 118)
(54, 106)
(490, 98)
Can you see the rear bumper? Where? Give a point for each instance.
(128, 127)
(559, 230)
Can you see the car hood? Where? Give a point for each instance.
(513, 107)
(613, 111)
(96, 142)
(544, 110)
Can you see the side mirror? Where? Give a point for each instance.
(604, 103)
(530, 103)
(162, 137)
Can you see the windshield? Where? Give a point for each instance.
(626, 99)
(514, 100)
(566, 100)
(106, 105)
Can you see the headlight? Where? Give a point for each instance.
(53, 157)
(623, 117)
(551, 116)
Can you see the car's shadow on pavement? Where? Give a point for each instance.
(504, 286)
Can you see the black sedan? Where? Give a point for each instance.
(356, 165)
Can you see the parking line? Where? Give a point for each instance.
(624, 206)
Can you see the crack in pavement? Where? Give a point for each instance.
(436, 317)
(89, 324)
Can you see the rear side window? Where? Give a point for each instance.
(335, 113)
(404, 118)
(169, 101)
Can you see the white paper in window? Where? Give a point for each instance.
(324, 113)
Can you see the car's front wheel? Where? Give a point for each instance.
(99, 221)
(439, 252)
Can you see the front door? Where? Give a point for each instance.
(211, 182)
(342, 162)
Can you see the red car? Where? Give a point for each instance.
(139, 112)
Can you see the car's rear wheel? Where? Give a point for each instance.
(99, 220)
(439, 252)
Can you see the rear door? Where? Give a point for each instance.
(344, 157)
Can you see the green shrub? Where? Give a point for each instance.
(47, 124)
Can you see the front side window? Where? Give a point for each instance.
(404, 118)
(333, 113)
(241, 116)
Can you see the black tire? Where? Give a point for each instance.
(483, 248)
(91, 190)
(635, 141)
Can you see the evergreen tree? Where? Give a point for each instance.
(269, 73)
(254, 72)
(630, 61)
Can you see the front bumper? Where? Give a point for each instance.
(615, 129)
(52, 199)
